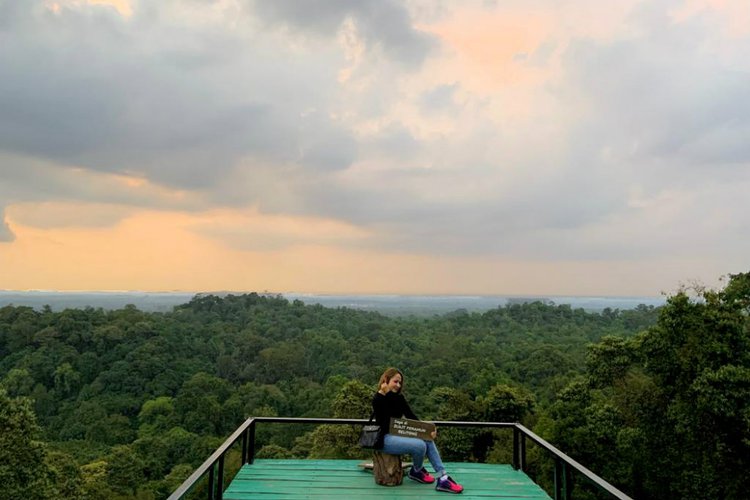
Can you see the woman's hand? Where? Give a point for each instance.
(434, 433)
(384, 388)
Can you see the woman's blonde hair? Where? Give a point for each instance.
(388, 375)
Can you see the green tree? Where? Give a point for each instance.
(504, 403)
(67, 379)
(156, 416)
(176, 477)
(609, 360)
(124, 470)
(699, 357)
(353, 400)
(65, 475)
(18, 382)
(199, 403)
(455, 404)
(24, 472)
(666, 414)
(95, 485)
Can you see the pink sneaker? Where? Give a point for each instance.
(421, 476)
(447, 484)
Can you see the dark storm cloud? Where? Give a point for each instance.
(383, 22)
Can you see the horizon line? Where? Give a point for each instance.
(329, 294)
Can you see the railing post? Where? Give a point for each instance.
(567, 482)
(211, 483)
(251, 443)
(563, 483)
(523, 452)
(244, 448)
(516, 448)
(220, 480)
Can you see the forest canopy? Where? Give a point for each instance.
(125, 404)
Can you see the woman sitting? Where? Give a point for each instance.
(389, 403)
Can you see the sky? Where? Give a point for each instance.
(374, 146)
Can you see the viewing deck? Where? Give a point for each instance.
(293, 479)
(331, 479)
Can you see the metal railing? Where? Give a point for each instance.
(563, 470)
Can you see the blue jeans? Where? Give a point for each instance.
(417, 448)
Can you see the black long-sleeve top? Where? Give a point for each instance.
(392, 405)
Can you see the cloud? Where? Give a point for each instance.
(385, 23)
(147, 97)
(31, 180)
(650, 108)
(6, 235)
(392, 143)
(48, 215)
(251, 230)
(432, 129)
(666, 94)
(439, 98)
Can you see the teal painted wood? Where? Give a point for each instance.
(332, 479)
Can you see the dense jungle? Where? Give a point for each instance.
(124, 404)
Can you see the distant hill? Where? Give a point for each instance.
(391, 305)
(145, 301)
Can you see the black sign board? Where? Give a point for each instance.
(407, 427)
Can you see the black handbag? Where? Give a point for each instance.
(370, 434)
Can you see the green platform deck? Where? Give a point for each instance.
(332, 479)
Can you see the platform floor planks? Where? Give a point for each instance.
(332, 479)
